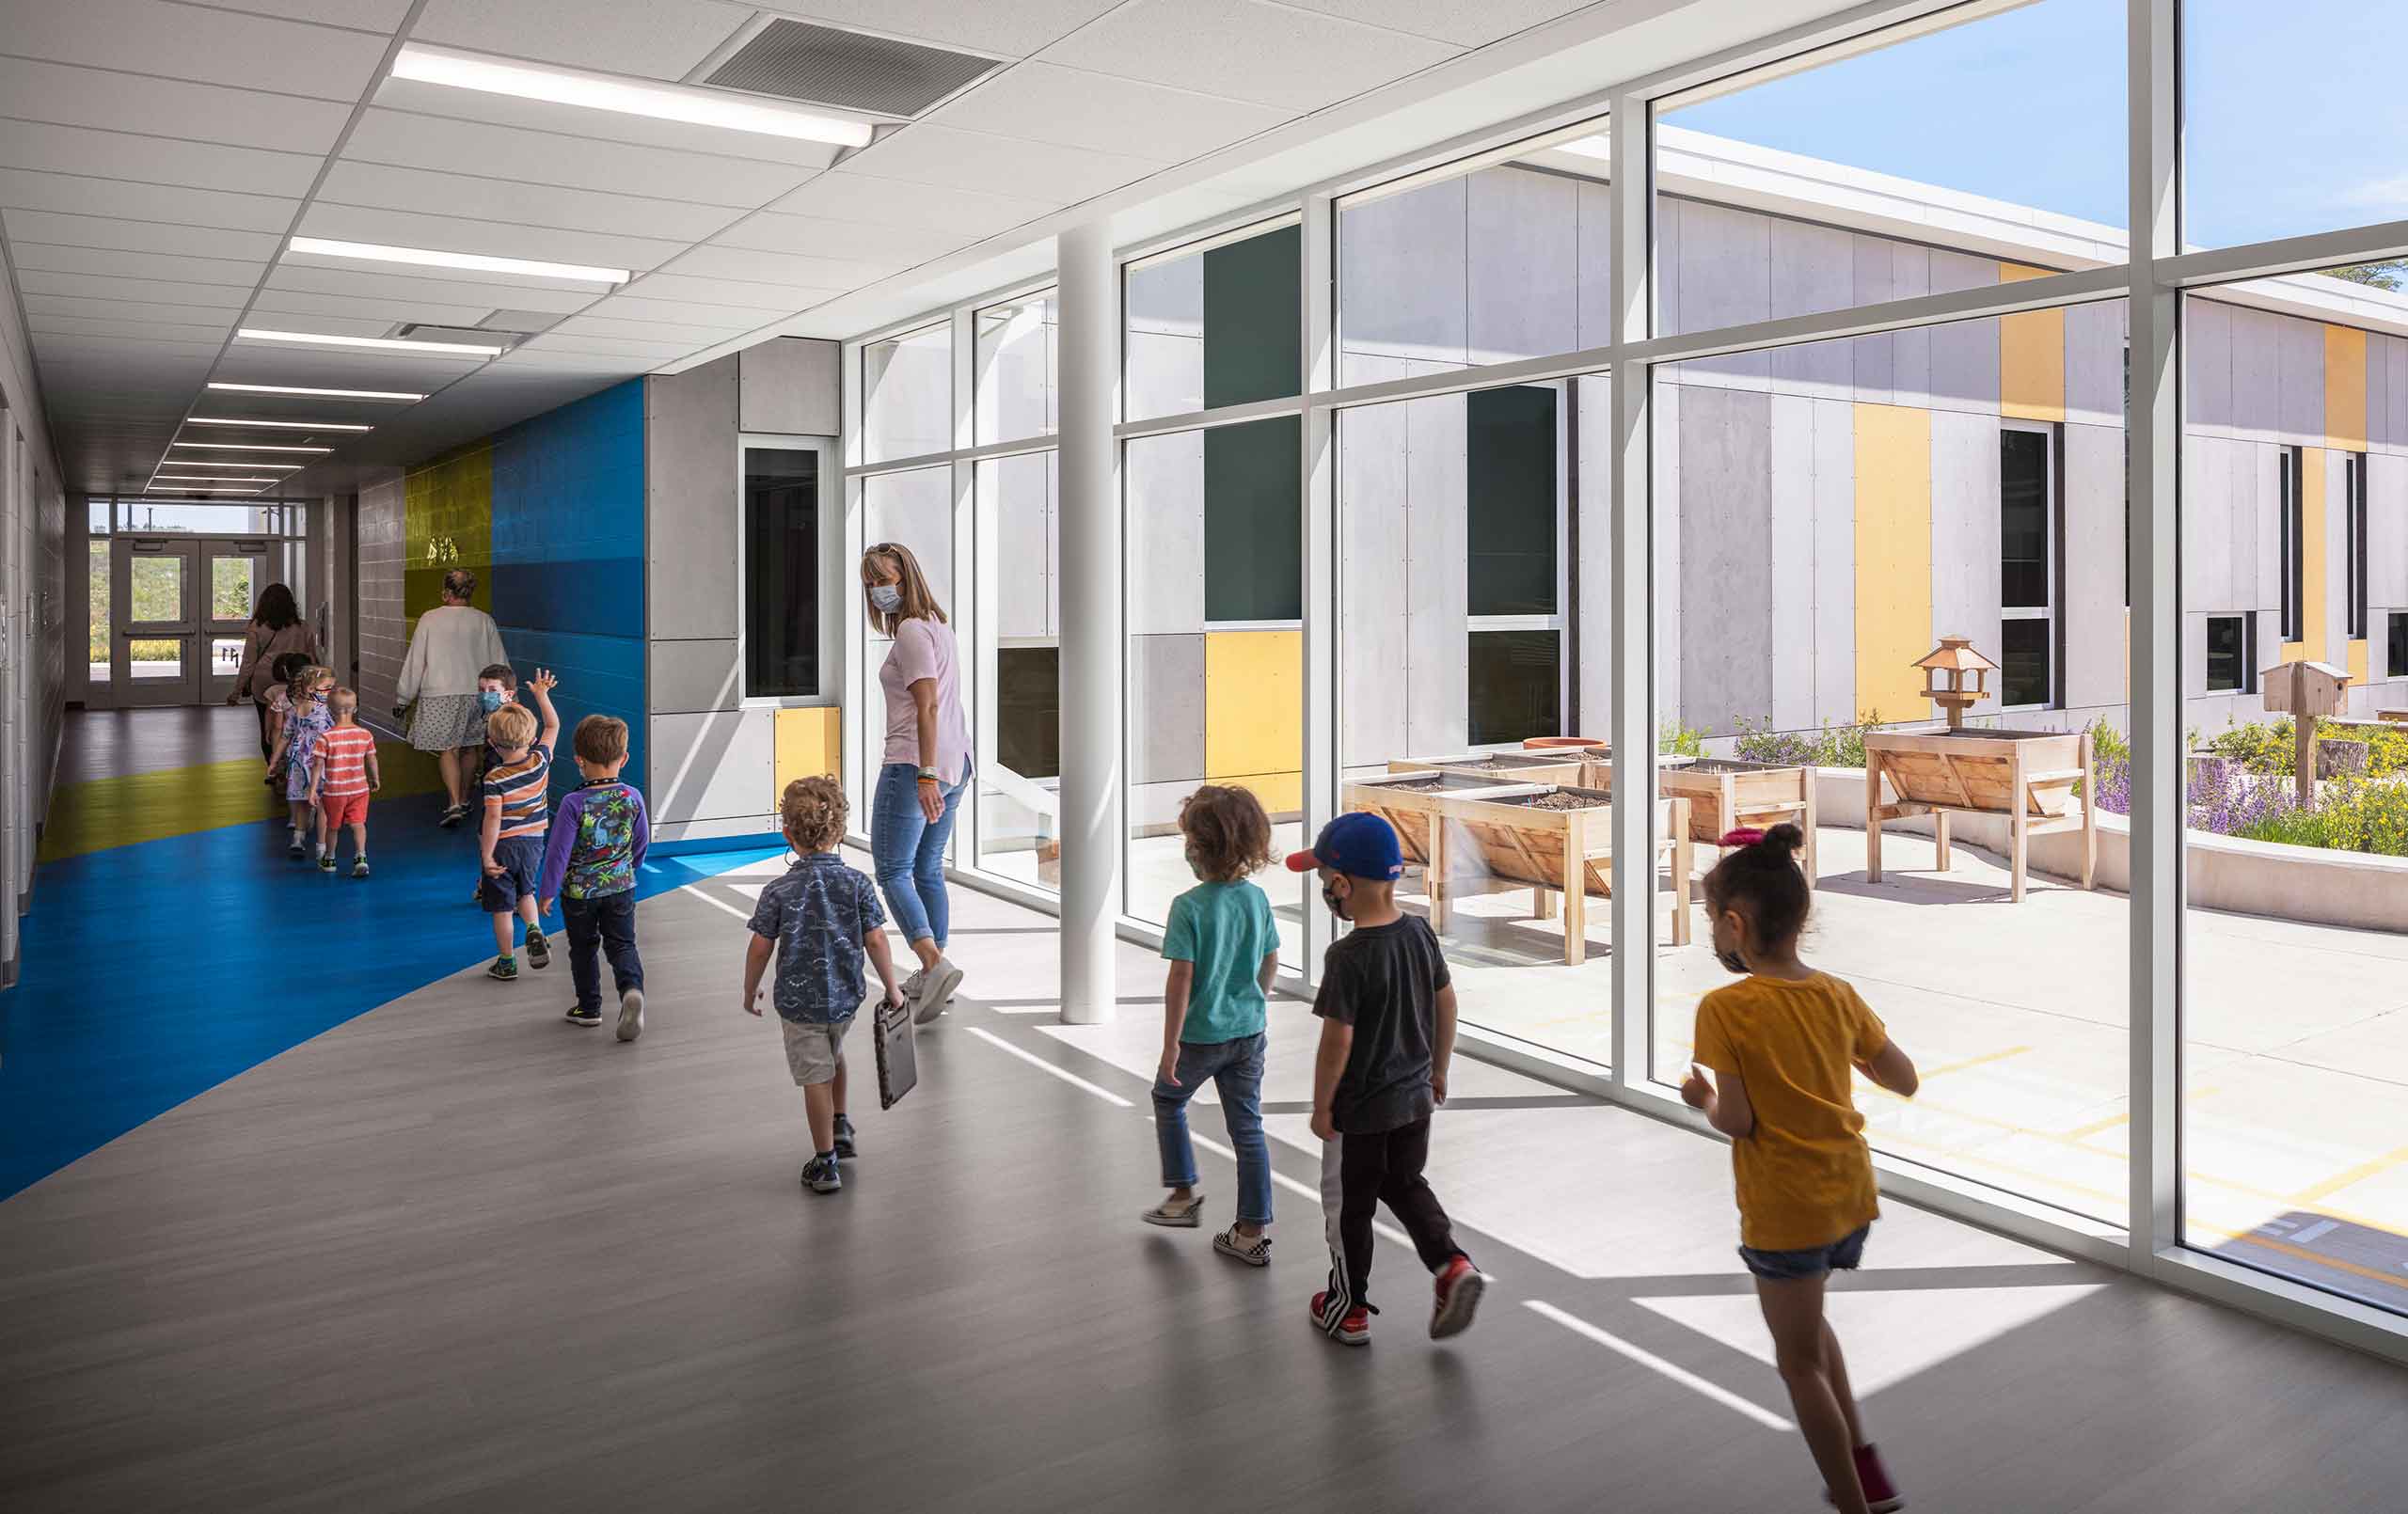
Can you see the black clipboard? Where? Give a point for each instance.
(898, 1062)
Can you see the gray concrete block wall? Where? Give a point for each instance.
(790, 386)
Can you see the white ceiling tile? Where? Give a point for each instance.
(164, 292)
(895, 247)
(646, 351)
(252, 363)
(444, 143)
(560, 360)
(378, 185)
(115, 349)
(1466, 22)
(1245, 50)
(412, 228)
(493, 293)
(180, 41)
(241, 274)
(69, 96)
(89, 305)
(81, 150)
(736, 294)
(682, 313)
(928, 154)
(854, 197)
(1015, 30)
(303, 303)
(21, 188)
(80, 326)
(641, 331)
(416, 97)
(1073, 107)
(136, 236)
(369, 15)
(818, 274)
(654, 39)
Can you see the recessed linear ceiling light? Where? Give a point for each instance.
(667, 103)
(247, 447)
(318, 394)
(180, 481)
(276, 425)
(431, 257)
(197, 488)
(252, 462)
(382, 344)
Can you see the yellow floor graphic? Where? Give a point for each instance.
(119, 812)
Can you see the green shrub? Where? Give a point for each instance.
(2349, 816)
(2266, 748)
(1677, 740)
(1843, 747)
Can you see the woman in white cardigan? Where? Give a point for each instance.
(453, 643)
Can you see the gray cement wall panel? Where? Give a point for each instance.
(2254, 579)
(2387, 529)
(2263, 503)
(2256, 411)
(2207, 367)
(1790, 545)
(1403, 263)
(1597, 265)
(2299, 354)
(1167, 297)
(1437, 586)
(1524, 265)
(1812, 270)
(1024, 543)
(1910, 277)
(2095, 364)
(1165, 534)
(1669, 487)
(2092, 603)
(1834, 561)
(1374, 547)
(1725, 571)
(2396, 358)
(2208, 560)
(691, 503)
(1162, 374)
(717, 766)
(1167, 709)
(790, 385)
(1667, 282)
(688, 677)
(916, 509)
(1595, 701)
(1965, 565)
(1725, 279)
(1875, 358)
(2379, 432)
(1964, 354)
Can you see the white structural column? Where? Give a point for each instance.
(1629, 649)
(1089, 518)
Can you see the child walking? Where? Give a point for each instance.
(511, 836)
(279, 708)
(589, 859)
(1780, 1043)
(296, 749)
(497, 686)
(1388, 1032)
(818, 918)
(1223, 947)
(343, 776)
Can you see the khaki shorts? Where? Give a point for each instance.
(813, 1050)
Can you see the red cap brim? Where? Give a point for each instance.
(1304, 862)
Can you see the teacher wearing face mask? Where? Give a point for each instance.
(452, 645)
(925, 768)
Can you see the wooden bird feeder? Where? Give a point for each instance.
(1944, 677)
(2304, 691)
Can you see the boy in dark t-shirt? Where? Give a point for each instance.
(1388, 1013)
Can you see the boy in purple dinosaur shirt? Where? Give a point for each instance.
(589, 859)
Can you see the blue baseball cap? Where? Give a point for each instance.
(1358, 845)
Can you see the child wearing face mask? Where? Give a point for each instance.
(296, 749)
(1223, 947)
(1780, 1043)
(497, 686)
(1388, 1032)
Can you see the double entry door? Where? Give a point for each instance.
(180, 607)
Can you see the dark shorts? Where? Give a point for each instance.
(1842, 1255)
(521, 861)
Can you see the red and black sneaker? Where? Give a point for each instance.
(1353, 1330)
(1460, 1285)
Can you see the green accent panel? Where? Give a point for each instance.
(1254, 521)
(447, 520)
(1510, 461)
(1253, 319)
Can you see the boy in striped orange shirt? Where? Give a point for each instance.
(340, 782)
(515, 791)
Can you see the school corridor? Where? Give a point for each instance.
(306, 1213)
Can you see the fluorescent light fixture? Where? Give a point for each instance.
(402, 394)
(593, 91)
(180, 482)
(199, 488)
(276, 425)
(382, 344)
(231, 462)
(248, 446)
(430, 258)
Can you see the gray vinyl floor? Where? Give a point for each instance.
(459, 1255)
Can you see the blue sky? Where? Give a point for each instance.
(2296, 120)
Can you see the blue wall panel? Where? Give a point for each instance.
(568, 550)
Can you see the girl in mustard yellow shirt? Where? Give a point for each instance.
(1780, 1043)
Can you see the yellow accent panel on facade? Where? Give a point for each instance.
(2294, 652)
(1254, 714)
(2358, 664)
(2031, 356)
(447, 523)
(2345, 389)
(810, 744)
(2313, 613)
(1892, 560)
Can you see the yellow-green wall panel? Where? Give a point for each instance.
(1254, 714)
(2031, 356)
(447, 519)
(2345, 389)
(1892, 560)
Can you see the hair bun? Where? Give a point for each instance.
(1784, 838)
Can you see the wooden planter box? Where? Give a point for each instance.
(2027, 776)
(1726, 794)
(1500, 838)
(1408, 801)
(1502, 766)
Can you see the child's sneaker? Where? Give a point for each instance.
(292, 847)
(359, 867)
(326, 862)
(583, 1016)
(1176, 1215)
(1460, 1285)
(504, 967)
(452, 815)
(820, 1175)
(1354, 1329)
(631, 1026)
(1880, 1494)
(1255, 1249)
(846, 1150)
(539, 950)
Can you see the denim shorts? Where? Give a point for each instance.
(1842, 1255)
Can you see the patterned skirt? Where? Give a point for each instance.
(443, 722)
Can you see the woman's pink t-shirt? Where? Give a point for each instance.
(924, 648)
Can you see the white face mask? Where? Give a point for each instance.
(886, 598)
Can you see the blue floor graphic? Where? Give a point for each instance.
(153, 972)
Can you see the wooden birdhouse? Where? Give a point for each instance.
(2304, 691)
(1944, 673)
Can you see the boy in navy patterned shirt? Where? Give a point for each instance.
(818, 918)
(596, 842)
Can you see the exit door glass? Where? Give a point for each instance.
(156, 595)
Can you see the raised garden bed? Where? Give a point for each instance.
(2030, 776)
(1408, 801)
(1554, 841)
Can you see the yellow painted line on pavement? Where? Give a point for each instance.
(1947, 1067)
(2372, 1167)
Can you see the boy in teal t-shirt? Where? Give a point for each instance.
(1223, 947)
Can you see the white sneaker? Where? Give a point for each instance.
(930, 988)
(630, 1014)
(1255, 1251)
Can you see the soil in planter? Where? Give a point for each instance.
(1558, 801)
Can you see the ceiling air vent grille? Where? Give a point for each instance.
(825, 66)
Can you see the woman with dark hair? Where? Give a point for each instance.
(276, 627)
(926, 766)
(453, 643)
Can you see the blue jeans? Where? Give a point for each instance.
(604, 926)
(908, 851)
(1235, 1067)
